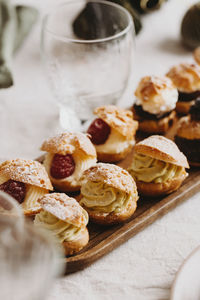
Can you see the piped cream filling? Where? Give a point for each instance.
(63, 231)
(33, 193)
(80, 166)
(100, 197)
(148, 169)
(116, 143)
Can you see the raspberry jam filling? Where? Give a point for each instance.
(62, 166)
(15, 189)
(99, 131)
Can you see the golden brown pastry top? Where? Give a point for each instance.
(26, 171)
(64, 208)
(112, 175)
(68, 143)
(188, 129)
(186, 77)
(156, 94)
(161, 148)
(118, 118)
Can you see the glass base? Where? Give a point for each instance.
(69, 120)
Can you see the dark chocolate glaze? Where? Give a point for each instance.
(186, 97)
(191, 148)
(146, 115)
(195, 110)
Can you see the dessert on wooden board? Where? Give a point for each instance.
(112, 133)
(68, 156)
(156, 99)
(108, 193)
(26, 181)
(188, 134)
(63, 217)
(158, 166)
(186, 77)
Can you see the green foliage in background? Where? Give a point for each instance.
(15, 24)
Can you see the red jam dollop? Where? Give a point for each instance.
(62, 166)
(99, 131)
(15, 189)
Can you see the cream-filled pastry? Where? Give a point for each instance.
(26, 181)
(156, 99)
(108, 193)
(187, 136)
(157, 166)
(63, 217)
(112, 133)
(186, 77)
(68, 156)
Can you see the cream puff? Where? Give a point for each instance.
(186, 77)
(157, 166)
(156, 99)
(26, 181)
(108, 193)
(65, 219)
(68, 156)
(112, 133)
(188, 134)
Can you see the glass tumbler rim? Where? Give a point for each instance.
(84, 41)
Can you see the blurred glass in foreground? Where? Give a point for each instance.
(29, 259)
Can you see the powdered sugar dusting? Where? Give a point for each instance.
(119, 119)
(156, 94)
(112, 175)
(69, 142)
(64, 208)
(186, 77)
(26, 171)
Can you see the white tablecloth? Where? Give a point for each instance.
(144, 267)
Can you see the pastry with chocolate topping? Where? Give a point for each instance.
(112, 133)
(63, 217)
(188, 134)
(26, 181)
(157, 166)
(68, 156)
(156, 99)
(108, 193)
(186, 77)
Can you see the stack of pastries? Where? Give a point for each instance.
(83, 165)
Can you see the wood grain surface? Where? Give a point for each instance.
(105, 239)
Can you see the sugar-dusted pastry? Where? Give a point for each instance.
(112, 133)
(156, 99)
(108, 193)
(186, 77)
(26, 181)
(188, 134)
(65, 219)
(157, 166)
(68, 156)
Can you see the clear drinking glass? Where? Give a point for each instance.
(29, 259)
(87, 48)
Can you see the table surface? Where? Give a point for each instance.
(145, 266)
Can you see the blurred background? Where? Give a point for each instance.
(27, 110)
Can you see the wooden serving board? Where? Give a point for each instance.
(104, 239)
